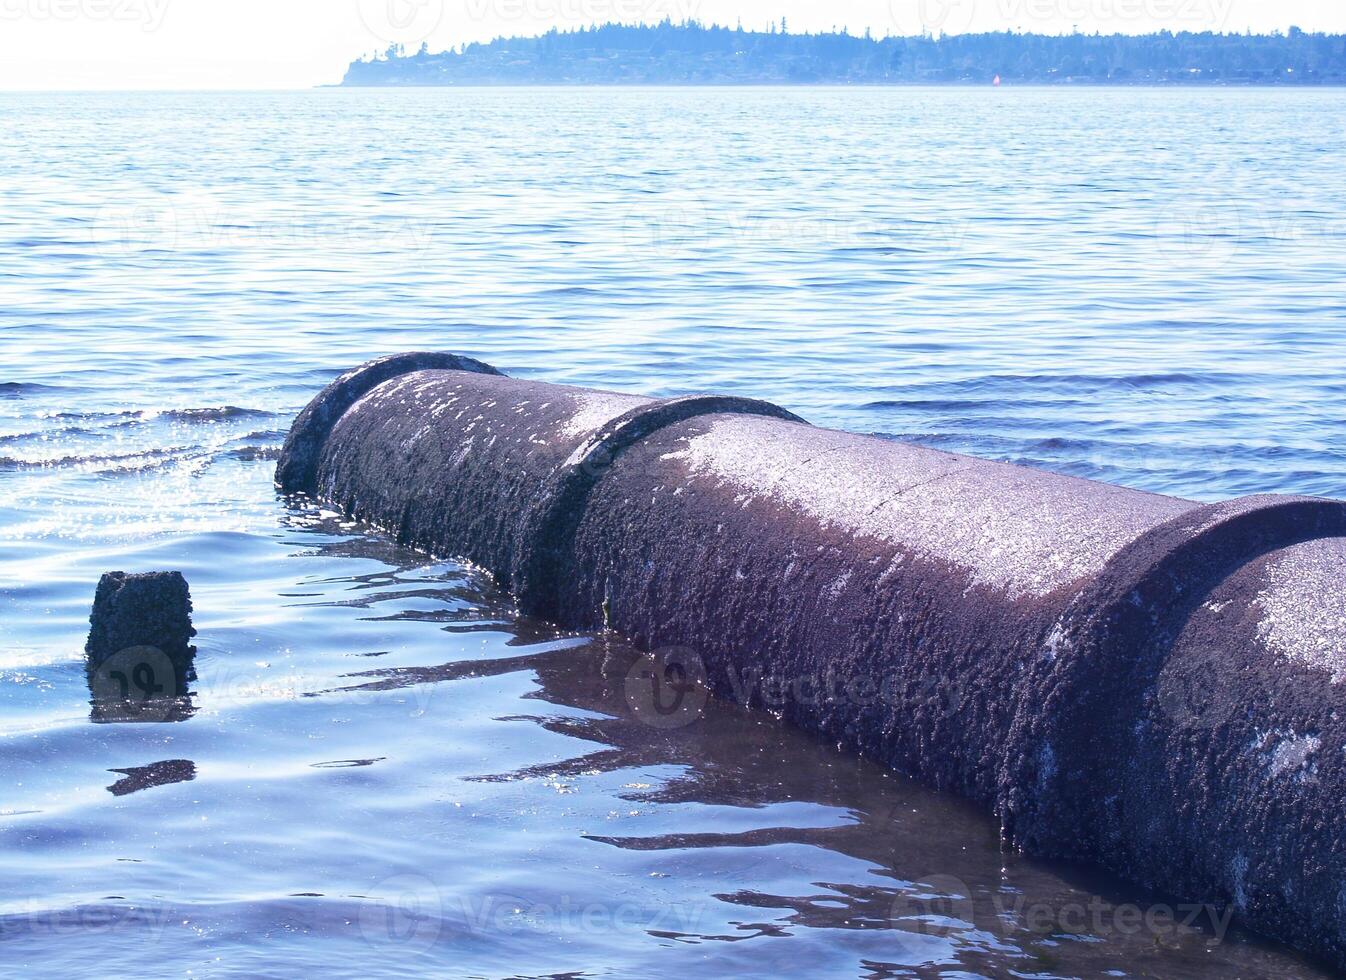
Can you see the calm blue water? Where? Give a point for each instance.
(382, 770)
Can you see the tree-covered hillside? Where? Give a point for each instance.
(694, 54)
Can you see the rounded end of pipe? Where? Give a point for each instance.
(297, 468)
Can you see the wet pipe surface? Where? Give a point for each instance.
(1132, 680)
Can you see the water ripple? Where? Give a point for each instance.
(375, 765)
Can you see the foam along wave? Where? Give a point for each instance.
(143, 461)
(249, 454)
(98, 462)
(211, 413)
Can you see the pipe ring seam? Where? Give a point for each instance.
(1123, 623)
(549, 525)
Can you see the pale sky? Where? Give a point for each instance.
(121, 44)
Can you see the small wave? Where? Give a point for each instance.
(569, 291)
(250, 454)
(1022, 384)
(876, 250)
(211, 414)
(214, 413)
(967, 404)
(17, 389)
(106, 462)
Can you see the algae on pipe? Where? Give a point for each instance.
(1129, 679)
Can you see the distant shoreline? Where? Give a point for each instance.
(698, 56)
(1074, 83)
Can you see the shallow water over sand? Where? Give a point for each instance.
(378, 767)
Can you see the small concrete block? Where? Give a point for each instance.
(133, 610)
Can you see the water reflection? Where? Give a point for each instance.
(137, 778)
(939, 887)
(386, 768)
(1058, 330)
(141, 684)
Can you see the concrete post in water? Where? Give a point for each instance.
(1149, 684)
